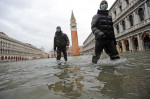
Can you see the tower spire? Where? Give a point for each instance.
(74, 36)
(72, 16)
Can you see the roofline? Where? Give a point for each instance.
(113, 5)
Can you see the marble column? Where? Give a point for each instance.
(130, 44)
(135, 18)
(140, 43)
(127, 22)
(120, 27)
(118, 48)
(123, 46)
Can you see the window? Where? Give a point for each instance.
(131, 20)
(120, 7)
(127, 1)
(115, 13)
(141, 14)
(123, 25)
(117, 27)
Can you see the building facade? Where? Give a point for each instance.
(11, 49)
(89, 44)
(131, 26)
(81, 50)
(74, 36)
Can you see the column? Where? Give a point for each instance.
(130, 44)
(118, 47)
(123, 46)
(146, 11)
(141, 47)
(135, 18)
(115, 30)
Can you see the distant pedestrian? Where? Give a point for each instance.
(102, 28)
(61, 43)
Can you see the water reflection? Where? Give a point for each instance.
(69, 84)
(113, 82)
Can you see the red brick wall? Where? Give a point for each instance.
(75, 46)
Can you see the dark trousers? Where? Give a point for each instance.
(108, 46)
(59, 50)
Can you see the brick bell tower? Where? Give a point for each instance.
(74, 36)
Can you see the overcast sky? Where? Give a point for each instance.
(35, 21)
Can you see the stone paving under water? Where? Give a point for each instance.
(127, 78)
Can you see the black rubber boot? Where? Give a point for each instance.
(94, 59)
(114, 58)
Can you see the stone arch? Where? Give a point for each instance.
(2, 57)
(5, 57)
(135, 43)
(120, 46)
(12, 57)
(126, 42)
(9, 57)
(146, 40)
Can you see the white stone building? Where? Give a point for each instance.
(11, 49)
(89, 44)
(131, 25)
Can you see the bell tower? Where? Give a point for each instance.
(74, 36)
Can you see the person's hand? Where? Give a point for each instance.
(103, 36)
(67, 47)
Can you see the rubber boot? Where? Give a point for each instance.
(94, 59)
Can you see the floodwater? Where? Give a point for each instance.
(127, 78)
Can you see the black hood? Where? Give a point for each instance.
(104, 12)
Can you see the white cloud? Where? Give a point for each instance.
(35, 21)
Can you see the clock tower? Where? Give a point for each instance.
(74, 36)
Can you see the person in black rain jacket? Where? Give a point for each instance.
(102, 28)
(61, 43)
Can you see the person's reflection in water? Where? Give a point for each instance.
(113, 82)
(69, 85)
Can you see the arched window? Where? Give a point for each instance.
(115, 13)
(141, 14)
(131, 20)
(1, 51)
(123, 25)
(127, 1)
(1, 43)
(117, 27)
(120, 7)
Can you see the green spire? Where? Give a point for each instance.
(72, 16)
